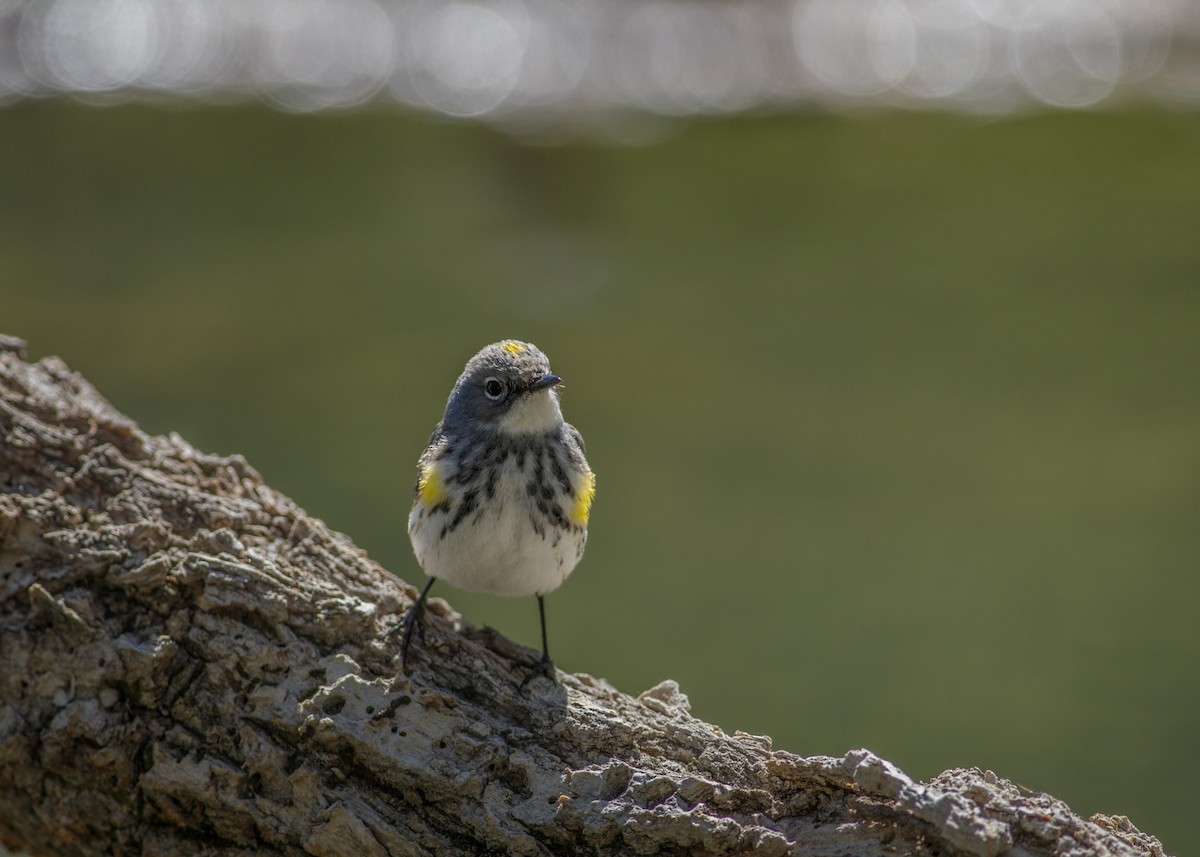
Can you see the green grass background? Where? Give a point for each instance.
(896, 416)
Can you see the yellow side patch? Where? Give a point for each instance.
(583, 500)
(513, 347)
(430, 487)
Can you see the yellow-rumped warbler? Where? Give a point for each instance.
(503, 490)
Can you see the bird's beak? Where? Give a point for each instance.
(544, 382)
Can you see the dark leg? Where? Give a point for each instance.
(412, 620)
(545, 666)
(542, 616)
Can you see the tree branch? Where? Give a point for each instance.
(193, 665)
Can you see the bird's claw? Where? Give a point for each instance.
(411, 620)
(543, 667)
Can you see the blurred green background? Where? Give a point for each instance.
(896, 416)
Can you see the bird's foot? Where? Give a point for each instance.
(543, 667)
(410, 622)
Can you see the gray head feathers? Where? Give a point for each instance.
(507, 386)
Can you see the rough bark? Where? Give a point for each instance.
(193, 665)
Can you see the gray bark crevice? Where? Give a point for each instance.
(193, 665)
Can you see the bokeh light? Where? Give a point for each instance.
(542, 63)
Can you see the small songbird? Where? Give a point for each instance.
(503, 490)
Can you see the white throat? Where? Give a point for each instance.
(536, 413)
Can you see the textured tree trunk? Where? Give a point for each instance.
(190, 664)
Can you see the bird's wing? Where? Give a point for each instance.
(428, 456)
(574, 434)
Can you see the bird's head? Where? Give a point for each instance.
(507, 386)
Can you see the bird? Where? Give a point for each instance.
(503, 490)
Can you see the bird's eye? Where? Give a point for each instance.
(493, 389)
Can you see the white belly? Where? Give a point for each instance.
(496, 549)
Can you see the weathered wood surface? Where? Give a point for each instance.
(192, 665)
